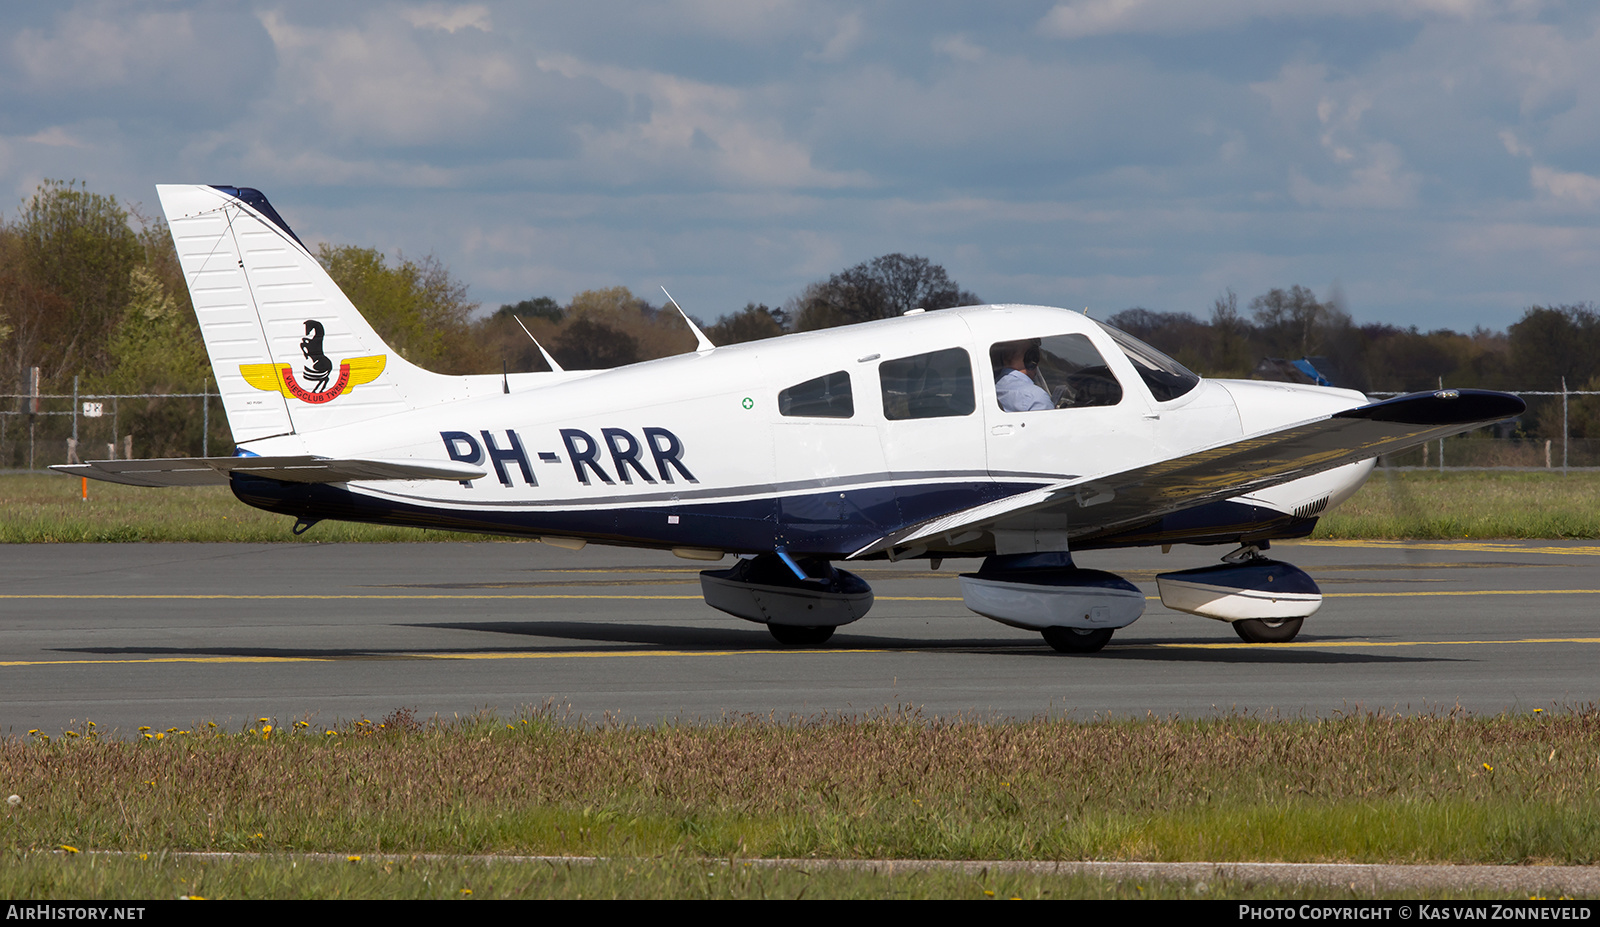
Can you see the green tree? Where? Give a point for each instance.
(1551, 342)
(542, 307)
(68, 278)
(589, 344)
(1293, 323)
(416, 306)
(881, 288)
(752, 323)
(156, 346)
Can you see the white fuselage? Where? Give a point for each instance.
(700, 437)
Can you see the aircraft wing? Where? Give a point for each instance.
(214, 471)
(1096, 504)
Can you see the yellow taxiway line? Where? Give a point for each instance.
(601, 654)
(1482, 547)
(608, 596)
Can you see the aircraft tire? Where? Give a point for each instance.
(794, 635)
(1077, 640)
(1267, 630)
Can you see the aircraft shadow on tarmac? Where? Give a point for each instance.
(754, 639)
(619, 636)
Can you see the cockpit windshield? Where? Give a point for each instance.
(1166, 378)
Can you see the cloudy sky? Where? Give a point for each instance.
(1436, 161)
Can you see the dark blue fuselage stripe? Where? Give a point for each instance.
(831, 524)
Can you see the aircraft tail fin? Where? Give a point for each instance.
(290, 352)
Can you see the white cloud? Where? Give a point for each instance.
(846, 36)
(55, 137)
(743, 20)
(959, 48)
(694, 129)
(91, 51)
(1378, 180)
(1077, 19)
(447, 18)
(1508, 138)
(1567, 186)
(376, 82)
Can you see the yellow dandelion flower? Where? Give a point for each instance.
(69, 849)
(353, 859)
(144, 727)
(466, 891)
(1488, 767)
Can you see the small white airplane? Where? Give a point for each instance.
(1012, 433)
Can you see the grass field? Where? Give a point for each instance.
(1413, 504)
(677, 808)
(1359, 788)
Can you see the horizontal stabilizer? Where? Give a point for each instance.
(214, 471)
(1107, 502)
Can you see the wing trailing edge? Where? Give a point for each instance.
(1105, 502)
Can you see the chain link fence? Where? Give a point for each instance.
(40, 429)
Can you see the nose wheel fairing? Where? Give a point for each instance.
(1254, 590)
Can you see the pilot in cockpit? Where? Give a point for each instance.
(1015, 365)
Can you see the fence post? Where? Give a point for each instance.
(1441, 440)
(33, 410)
(1565, 437)
(205, 419)
(74, 410)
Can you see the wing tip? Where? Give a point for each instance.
(1441, 407)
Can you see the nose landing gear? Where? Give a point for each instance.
(1265, 600)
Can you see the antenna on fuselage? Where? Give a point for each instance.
(702, 343)
(547, 358)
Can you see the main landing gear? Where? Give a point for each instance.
(1265, 600)
(1076, 610)
(797, 612)
(802, 601)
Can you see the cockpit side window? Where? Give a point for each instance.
(824, 397)
(934, 385)
(1166, 378)
(1058, 372)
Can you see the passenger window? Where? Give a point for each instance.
(824, 397)
(936, 385)
(1059, 372)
